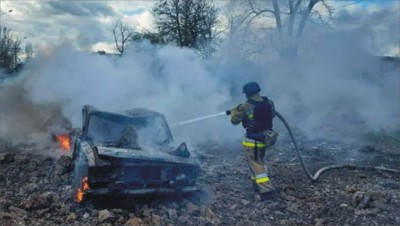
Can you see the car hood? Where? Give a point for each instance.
(143, 154)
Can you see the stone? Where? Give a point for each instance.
(380, 196)
(71, 218)
(319, 222)
(156, 220)
(86, 215)
(18, 211)
(21, 159)
(38, 201)
(356, 198)
(10, 219)
(233, 207)
(192, 209)
(65, 209)
(41, 213)
(172, 214)
(245, 202)
(31, 187)
(366, 212)
(118, 211)
(104, 215)
(351, 189)
(182, 220)
(146, 211)
(134, 221)
(215, 221)
(209, 213)
(364, 202)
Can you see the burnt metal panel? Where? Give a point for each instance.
(151, 170)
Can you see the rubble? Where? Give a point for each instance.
(36, 190)
(38, 201)
(134, 221)
(64, 165)
(10, 219)
(71, 218)
(6, 158)
(104, 215)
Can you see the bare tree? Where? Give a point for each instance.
(28, 50)
(187, 23)
(122, 36)
(9, 48)
(152, 37)
(290, 18)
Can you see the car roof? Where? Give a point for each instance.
(134, 113)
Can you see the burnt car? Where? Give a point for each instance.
(130, 153)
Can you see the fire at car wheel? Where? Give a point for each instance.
(80, 182)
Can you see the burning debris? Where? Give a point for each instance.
(64, 140)
(82, 189)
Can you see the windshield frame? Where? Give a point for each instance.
(115, 116)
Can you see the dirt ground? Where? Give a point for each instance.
(35, 189)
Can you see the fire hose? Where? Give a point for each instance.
(326, 168)
(300, 157)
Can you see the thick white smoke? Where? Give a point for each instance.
(334, 91)
(343, 89)
(171, 80)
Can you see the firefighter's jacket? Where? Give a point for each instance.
(239, 113)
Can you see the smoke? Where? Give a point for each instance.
(25, 121)
(334, 91)
(337, 97)
(167, 79)
(343, 89)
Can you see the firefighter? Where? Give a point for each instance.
(256, 117)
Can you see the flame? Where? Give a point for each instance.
(80, 192)
(79, 195)
(85, 184)
(64, 140)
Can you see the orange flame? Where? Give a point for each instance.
(65, 141)
(85, 184)
(80, 192)
(79, 195)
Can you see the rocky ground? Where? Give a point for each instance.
(35, 190)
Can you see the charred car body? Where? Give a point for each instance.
(130, 153)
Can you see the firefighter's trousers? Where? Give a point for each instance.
(255, 152)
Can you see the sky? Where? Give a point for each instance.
(89, 23)
(328, 95)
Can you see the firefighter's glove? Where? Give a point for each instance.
(234, 111)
